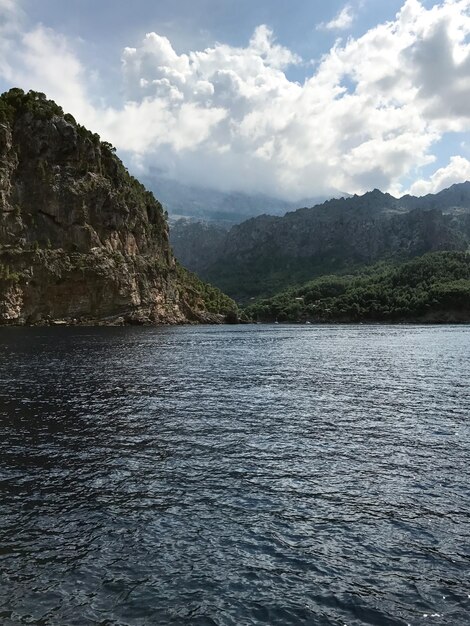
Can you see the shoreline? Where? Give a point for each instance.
(60, 323)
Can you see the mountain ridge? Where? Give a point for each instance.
(268, 253)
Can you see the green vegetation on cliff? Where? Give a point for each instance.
(434, 288)
(214, 299)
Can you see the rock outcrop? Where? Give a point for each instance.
(80, 239)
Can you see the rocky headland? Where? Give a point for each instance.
(81, 240)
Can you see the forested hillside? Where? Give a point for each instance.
(431, 288)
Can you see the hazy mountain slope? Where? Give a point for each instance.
(81, 239)
(197, 244)
(211, 205)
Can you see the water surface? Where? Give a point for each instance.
(235, 475)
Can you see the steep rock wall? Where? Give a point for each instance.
(80, 239)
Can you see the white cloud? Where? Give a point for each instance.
(229, 117)
(9, 10)
(10, 16)
(457, 171)
(342, 21)
(49, 65)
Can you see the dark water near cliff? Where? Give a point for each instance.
(240, 475)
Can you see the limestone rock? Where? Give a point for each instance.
(81, 240)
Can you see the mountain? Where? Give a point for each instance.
(80, 239)
(432, 288)
(197, 244)
(266, 254)
(218, 207)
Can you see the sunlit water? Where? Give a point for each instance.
(235, 475)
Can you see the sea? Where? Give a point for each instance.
(235, 475)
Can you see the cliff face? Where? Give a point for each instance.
(81, 239)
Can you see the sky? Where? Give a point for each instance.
(291, 99)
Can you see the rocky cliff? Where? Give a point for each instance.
(80, 239)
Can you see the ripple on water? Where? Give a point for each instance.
(238, 475)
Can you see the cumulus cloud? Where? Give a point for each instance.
(41, 59)
(342, 21)
(229, 117)
(457, 171)
(49, 65)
